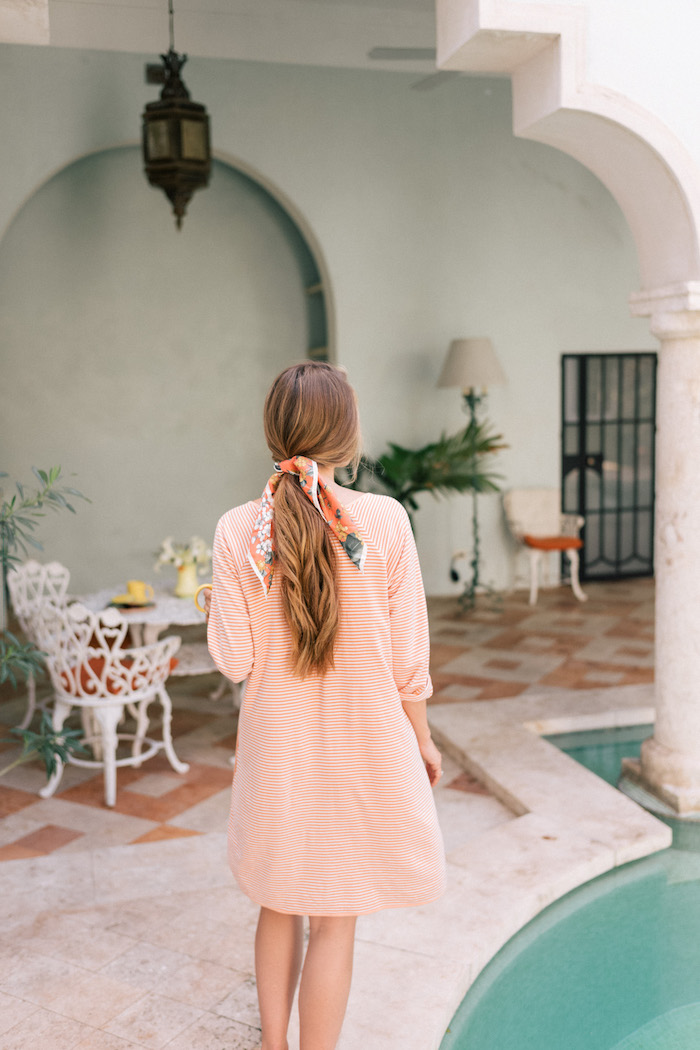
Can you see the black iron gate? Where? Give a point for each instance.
(608, 432)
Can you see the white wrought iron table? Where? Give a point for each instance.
(148, 621)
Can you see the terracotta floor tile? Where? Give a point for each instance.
(503, 665)
(515, 639)
(14, 851)
(229, 742)
(184, 721)
(490, 689)
(453, 693)
(49, 838)
(500, 690)
(466, 782)
(631, 650)
(199, 783)
(164, 831)
(632, 629)
(12, 800)
(442, 654)
(579, 674)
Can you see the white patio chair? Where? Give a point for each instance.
(90, 668)
(535, 519)
(30, 585)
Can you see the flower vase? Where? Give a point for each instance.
(186, 581)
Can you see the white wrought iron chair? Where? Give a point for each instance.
(535, 519)
(90, 668)
(30, 586)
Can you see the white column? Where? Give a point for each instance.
(670, 764)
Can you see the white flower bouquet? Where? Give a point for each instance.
(194, 552)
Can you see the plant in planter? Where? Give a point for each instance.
(48, 745)
(20, 514)
(19, 517)
(455, 463)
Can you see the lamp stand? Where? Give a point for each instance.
(467, 599)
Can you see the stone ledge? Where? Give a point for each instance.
(572, 826)
(413, 966)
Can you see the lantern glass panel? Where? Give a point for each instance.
(159, 140)
(193, 139)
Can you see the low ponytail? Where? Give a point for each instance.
(311, 411)
(306, 561)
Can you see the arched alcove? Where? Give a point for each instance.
(138, 357)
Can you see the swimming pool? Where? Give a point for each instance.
(613, 965)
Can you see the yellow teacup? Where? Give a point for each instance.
(202, 587)
(139, 592)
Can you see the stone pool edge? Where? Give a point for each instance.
(413, 966)
(569, 825)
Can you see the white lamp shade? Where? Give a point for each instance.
(471, 363)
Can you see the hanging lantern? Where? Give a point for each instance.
(176, 150)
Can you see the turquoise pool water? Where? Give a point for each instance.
(614, 965)
(602, 750)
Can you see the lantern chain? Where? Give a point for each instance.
(171, 24)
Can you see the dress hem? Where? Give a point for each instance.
(347, 912)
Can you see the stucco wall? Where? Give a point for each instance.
(433, 220)
(648, 52)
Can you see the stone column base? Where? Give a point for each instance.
(673, 777)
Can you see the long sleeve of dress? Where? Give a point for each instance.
(229, 634)
(408, 616)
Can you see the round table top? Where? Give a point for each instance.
(167, 609)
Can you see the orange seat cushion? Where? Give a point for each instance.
(554, 543)
(114, 685)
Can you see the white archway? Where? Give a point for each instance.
(645, 167)
(657, 185)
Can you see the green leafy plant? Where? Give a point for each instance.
(48, 744)
(20, 514)
(18, 658)
(456, 463)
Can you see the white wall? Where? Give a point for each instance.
(648, 51)
(434, 223)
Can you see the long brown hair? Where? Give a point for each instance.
(311, 410)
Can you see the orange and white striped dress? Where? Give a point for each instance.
(332, 812)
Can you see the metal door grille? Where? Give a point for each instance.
(608, 437)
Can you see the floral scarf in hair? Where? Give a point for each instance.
(261, 554)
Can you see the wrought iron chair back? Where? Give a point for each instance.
(92, 667)
(31, 585)
(89, 658)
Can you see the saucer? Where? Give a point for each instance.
(125, 601)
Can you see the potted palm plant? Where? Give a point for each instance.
(454, 463)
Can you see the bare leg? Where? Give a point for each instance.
(325, 980)
(278, 949)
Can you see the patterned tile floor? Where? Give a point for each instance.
(503, 648)
(123, 928)
(506, 648)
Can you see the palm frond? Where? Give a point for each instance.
(454, 463)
